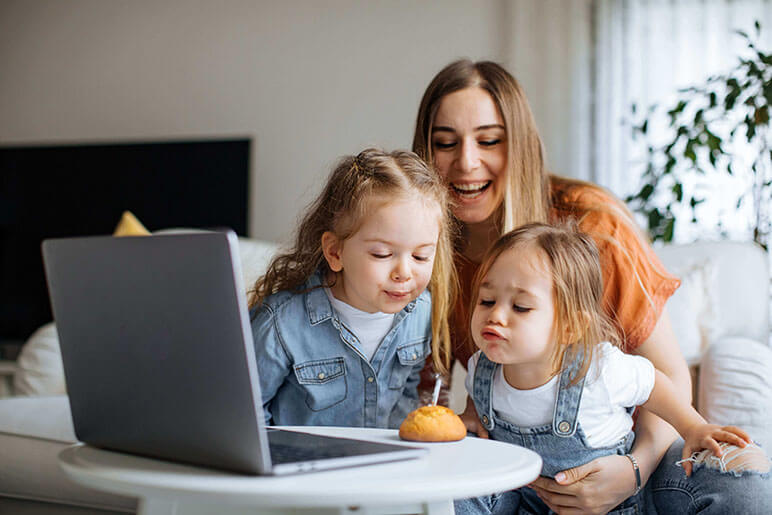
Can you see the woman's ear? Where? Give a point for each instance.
(331, 248)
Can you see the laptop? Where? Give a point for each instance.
(159, 359)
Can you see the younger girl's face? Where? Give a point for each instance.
(388, 262)
(512, 322)
(469, 148)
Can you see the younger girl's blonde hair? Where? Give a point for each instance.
(341, 208)
(573, 263)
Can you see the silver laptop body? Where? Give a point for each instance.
(159, 359)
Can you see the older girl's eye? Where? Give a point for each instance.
(422, 259)
(520, 309)
(489, 142)
(378, 255)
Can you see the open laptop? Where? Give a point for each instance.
(159, 359)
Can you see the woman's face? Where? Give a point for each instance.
(469, 145)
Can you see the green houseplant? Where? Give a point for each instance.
(708, 127)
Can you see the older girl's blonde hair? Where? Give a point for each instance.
(526, 195)
(341, 209)
(573, 263)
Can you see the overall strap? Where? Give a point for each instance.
(565, 417)
(483, 390)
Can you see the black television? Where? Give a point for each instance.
(82, 189)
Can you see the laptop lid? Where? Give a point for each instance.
(158, 352)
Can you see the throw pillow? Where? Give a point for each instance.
(692, 309)
(130, 226)
(40, 370)
(736, 388)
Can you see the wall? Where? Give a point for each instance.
(307, 80)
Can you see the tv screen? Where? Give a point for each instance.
(82, 190)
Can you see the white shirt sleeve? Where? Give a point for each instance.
(470, 366)
(628, 379)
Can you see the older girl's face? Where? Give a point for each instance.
(469, 145)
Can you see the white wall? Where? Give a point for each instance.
(307, 80)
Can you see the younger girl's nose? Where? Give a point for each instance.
(496, 315)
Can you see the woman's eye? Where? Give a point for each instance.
(443, 145)
(520, 309)
(489, 142)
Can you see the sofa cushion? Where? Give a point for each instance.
(33, 431)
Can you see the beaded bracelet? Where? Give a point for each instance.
(637, 472)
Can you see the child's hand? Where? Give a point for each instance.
(472, 420)
(707, 436)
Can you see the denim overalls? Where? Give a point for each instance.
(562, 445)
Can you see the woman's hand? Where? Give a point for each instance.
(472, 420)
(595, 487)
(707, 436)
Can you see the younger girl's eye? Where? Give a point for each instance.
(484, 302)
(520, 309)
(378, 255)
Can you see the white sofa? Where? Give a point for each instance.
(720, 314)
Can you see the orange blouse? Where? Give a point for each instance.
(635, 282)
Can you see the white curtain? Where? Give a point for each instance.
(644, 52)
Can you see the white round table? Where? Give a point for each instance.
(454, 470)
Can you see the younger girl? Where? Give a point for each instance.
(343, 322)
(548, 376)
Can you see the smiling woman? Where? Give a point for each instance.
(475, 126)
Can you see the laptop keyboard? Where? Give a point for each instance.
(291, 454)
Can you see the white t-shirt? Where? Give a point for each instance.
(369, 328)
(614, 381)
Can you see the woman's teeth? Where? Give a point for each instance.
(470, 191)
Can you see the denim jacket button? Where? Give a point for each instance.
(370, 379)
(321, 375)
(414, 356)
(564, 427)
(485, 419)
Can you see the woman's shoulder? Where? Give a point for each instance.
(595, 210)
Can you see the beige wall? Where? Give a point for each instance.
(307, 80)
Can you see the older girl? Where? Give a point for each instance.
(344, 321)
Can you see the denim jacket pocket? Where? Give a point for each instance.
(408, 356)
(324, 382)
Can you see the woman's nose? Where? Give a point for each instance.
(469, 156)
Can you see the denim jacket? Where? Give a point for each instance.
(312, 371)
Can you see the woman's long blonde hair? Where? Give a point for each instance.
(526, 195)
(573, 263)
(341, 209)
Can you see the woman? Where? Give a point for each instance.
(475, 125)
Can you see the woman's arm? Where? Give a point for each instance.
(598, 486)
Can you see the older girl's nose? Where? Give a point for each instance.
(401, 271)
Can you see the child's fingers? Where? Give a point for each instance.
(739, 432)
(687, 465)
(712, 445)
(728, 437)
